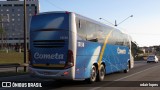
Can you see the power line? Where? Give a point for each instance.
(51, 2)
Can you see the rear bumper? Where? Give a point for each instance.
(52, 74)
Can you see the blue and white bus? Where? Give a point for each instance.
(66, 45)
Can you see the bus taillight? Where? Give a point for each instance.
(70, 60)
(67, 12)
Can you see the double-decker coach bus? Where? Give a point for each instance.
(66, 45)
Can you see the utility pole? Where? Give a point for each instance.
(25, 36)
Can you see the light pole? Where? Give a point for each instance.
(25, 36)
(106, 21)
(122, 21)
(116, 21)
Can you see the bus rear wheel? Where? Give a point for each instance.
(127, 70)
(101, 73)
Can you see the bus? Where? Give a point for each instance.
(65, 45)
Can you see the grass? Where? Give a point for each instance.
(11, 57)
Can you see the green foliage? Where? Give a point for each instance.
(134, 49)
(1, 29)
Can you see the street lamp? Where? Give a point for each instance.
(106, 21)
(116, 21)
(122, 21)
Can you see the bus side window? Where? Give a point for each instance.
(81, 33)
(91, 32)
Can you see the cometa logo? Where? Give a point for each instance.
(48, 56)
(121, 51)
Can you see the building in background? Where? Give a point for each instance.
(12, 20)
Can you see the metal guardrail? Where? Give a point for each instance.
(10, 65)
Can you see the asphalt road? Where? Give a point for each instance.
(144, 76)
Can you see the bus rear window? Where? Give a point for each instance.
(53, 20)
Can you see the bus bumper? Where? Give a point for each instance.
(52, 74)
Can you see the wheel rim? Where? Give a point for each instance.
(102, 72)
(127, 67)
(93, 74)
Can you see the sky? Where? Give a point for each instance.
(143, 27)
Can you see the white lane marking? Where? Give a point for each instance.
(95, 88)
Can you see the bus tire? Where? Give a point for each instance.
(127, 70)
(101, 73)
(93, 74)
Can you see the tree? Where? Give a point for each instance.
(1, 32)
(134, 49)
